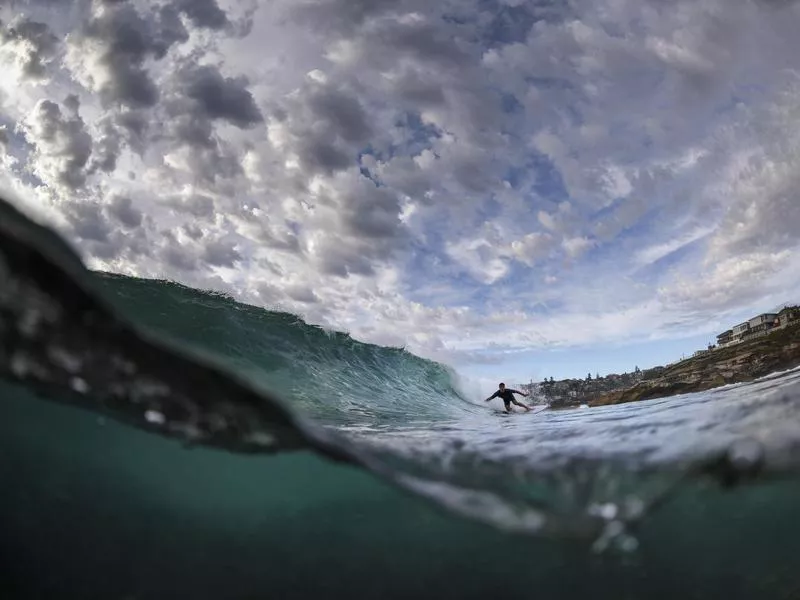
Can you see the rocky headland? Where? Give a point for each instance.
(748, 360)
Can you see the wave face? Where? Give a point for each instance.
(198, 366)
(325, 375)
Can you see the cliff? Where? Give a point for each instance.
(777, 351)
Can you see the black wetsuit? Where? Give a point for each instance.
(507, 395)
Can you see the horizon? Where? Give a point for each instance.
(515, 189)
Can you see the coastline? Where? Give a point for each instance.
(778, 350)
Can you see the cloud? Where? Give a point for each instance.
(532, 247)
(108, 55)
(324, 127)
(576, 246)
(30, 46)
(61, 144)
(203, 13)
(650, 254)
(221, 97)
(122, 209)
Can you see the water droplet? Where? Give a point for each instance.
(745, 455)
(28, 323)
(126, 366)
(153, 416)
(634, 507)
(262, 438)
(79, 385)
(64, 359)
(612, 534)
(20, 365)
(607, 511)
(629, 544)
(217, 422)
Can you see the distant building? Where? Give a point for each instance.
(739, 331)
(725, 338)
(787, 315)
(760, 325)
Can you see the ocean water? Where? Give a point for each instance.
(158, 441)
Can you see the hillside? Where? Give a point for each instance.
(745, 361)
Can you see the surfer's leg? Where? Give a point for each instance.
(525, 406)
(508, 406)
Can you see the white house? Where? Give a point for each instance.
(725, 338)
(739, 331)
(761, 325)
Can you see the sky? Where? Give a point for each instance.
(518, 189)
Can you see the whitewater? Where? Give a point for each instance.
(158, 440)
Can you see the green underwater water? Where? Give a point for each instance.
(95, 509)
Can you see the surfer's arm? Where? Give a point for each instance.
(492, 396)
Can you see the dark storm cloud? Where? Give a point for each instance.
(221, 97)
(429, 41)
(319, 155)
(203, 13)
(175, 254)
(343, 16)
(339, 258)
(132, 126)
(221, 253)
(371, 212)
(113, 231)
(193, 231)
(193, 100)
(422, 90)
(33, 42)
(107, 147)
(122, 209)
(188, 126)
(63, 146)
(328, 126)
(88, 221)
(365, 231)
(208, 157)
(124, 40)
(342, 111)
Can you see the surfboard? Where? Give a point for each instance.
(533, 411)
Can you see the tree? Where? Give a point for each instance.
(597, 375)
(589, 377)
(551, 379)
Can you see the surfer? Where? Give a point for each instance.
(507, 394)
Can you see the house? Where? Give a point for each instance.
(760, 325)
(739, 331)
(725, 338)
(787, 315)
